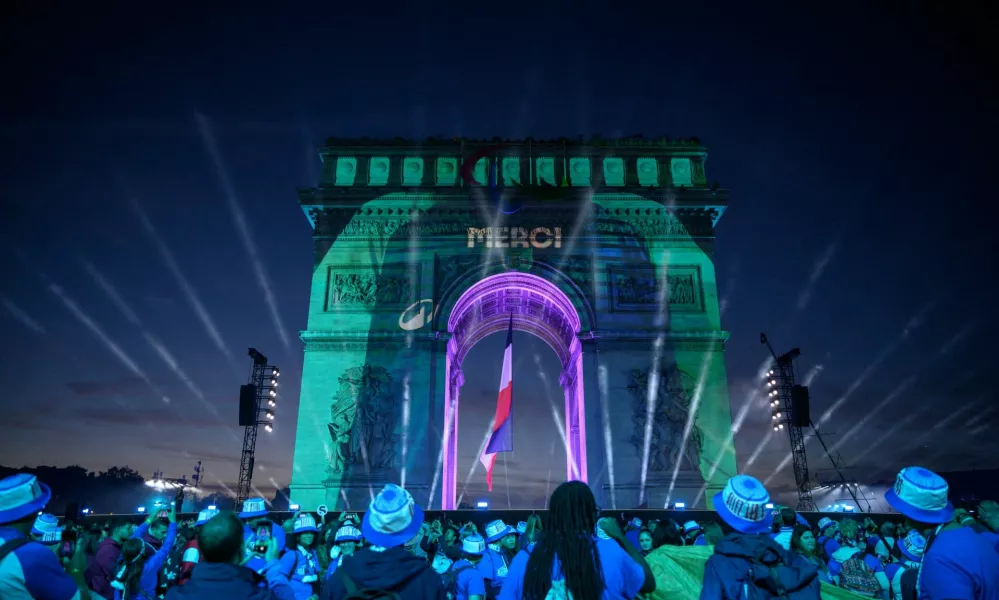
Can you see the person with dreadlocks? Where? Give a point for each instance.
(570, 558)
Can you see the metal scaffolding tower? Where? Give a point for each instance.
(261, 389)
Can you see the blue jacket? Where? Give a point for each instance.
(213, 581)
(151, 570)
(742, 561)
(301, 569)
(394, 569)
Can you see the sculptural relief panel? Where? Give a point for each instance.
(353, 288)
(637, 289)
(672, 392)
(362, 423)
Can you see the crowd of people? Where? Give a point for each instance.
(932, 552)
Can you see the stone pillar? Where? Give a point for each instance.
(599, 445)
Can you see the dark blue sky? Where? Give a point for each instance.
(858, 146)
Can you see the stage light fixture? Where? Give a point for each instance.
(271, 403)
(272, 393)
(141, 509)
(273, 383)
(268, 428)
(277, 372)
(680, 506)
(294, 507)
(212, 507)
(270, 415)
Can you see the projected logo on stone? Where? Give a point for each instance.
(417, 315)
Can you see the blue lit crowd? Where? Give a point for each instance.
(928, 551)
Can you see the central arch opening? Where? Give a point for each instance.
(537, 307)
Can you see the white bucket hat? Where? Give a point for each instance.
(305, 524)
(921, 495)
(47, 530)
(252, 508)
(347, 533)
(473, 544)
(743, 504)
(393, 518)
(497, 530)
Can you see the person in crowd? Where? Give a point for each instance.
(392, 519)
(191, 556)
(220, 574)
(903, 569)
(569, 558)
(105, 562)
(47, 531)
(495, 563)
(883, 541)
(667, 534)
(652, 524)
(466, 579)
(299, 563)
(693, 534)
(713, 533)
(804, 544)
(258, 528)
(748, 563)
(645, 541)
(346, 541)
(632, 530)
(138, 576)
(853, 567)
(958, 561)
(988, 515)
(532, 531)
(29, 570)
(828, 535)
(785, 521)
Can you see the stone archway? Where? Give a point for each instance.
(538, 307)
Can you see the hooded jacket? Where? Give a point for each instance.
(212, 581)
(103, 570)
(393, 569)
(733, 569)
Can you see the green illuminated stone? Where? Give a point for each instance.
(680, 172)
(648, 172)
(511, 170)
(614, 171)
(378, 171)
(545, 169)
(412, 171)
(447, 170)
(579, 171)
(346, 170)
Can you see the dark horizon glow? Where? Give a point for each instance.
(153, 232)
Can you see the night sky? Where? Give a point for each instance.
(150, 166)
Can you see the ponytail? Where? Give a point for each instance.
(126, 580)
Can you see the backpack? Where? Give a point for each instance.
(768, 587)
(451, 580)
(856, 576)
(353, 593)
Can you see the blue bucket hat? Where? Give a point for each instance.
(46, 529)
(205, 516)
(912, 546)
(497, 530)
(305, 524)
(393, 518)
(21, 495)
(921, 495)
(743, 504)
(253, 508)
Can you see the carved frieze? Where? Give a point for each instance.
(672, 391)
(363, 288)
(362, 420)
(637, 288)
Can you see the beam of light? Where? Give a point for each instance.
(279, 489)
(652, 394)
(112, 293)
(563, 434)
(343, 496)
(21, 316)
(605, 417)
(192, 297)
(929, 433)
(445, 438)
(962, 333)
(112, 347)
(975, 419)
(702, 382)
(812, 375)
(551, 457)
(817, 269)
(869, 416)
(758, 450)
(243, 228)
(406, 398)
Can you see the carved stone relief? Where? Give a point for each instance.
(637, 289)
(394, 286)
(362, 420)
(672, 395)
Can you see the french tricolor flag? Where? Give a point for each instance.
(501, 439)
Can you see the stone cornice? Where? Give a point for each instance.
(447, 198)
(438, 144)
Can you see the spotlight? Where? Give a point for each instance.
(769, 506)
(273, 393)
(780, 426)
(271, 403)
(86, 511)
(679, 506)
(270, 415)
(482, 504)
(268, 428)
(212, 507)
(273, 382)
(294, 507)
(141, 509)
(276, 373)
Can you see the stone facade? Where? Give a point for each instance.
(627, 298)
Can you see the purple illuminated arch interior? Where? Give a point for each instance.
(540, 308)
